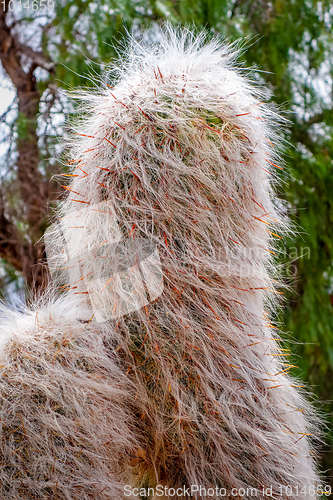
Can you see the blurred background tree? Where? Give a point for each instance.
(46, 45)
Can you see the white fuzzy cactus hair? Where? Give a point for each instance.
(158, 363)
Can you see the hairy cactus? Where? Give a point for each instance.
(158, 364)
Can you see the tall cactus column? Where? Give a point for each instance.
(166, 246)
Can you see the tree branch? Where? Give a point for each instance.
(320, 117)
(38, 59)
(301, 130)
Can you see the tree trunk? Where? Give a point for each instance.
(26, 255)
